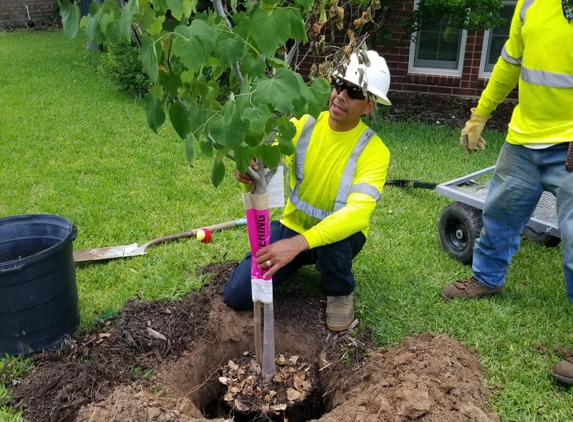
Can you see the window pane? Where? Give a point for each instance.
(499, 35)
(438, 46)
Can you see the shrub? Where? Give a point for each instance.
(122, 65)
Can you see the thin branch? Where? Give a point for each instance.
(220, 10)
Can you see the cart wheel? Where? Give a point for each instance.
(546, 239)
(459, 227)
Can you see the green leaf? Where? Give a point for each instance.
(189, 6)
(286, 147)
(297, 30)
(253, 138)
(154, 111)
(216, 68)
(243, 157)
(278, 91)
(176, 8)
(318, 96)
(257, 117)
(196, 117)
(199, 88)
(252, 65)
(149, 57)
(180, 119)
(287, 132)
(213, 86)
(270, 30)
(229, 48)
(172, 84)
(229, 110)
(110, 28)
(286, 128)
(70, 14)
(128, 13)
(157, 91)
(305, 3)
(189, 148)
(206, 147)
(271, 155)
(277, 63)
(194, 44)
(157, 26)
(93, 28)
(149, 18)
(300, 104)
(217, 172)
(230, 135)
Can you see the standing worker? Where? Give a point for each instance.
(337, 174)
(538, 153)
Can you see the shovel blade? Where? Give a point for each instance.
(111, 252)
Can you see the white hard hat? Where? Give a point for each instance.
(373, 76)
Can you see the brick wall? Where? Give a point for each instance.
(13, 12)
(469, 84)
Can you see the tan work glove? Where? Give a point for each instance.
(471, 139)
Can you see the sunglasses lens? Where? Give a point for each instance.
(353, 92)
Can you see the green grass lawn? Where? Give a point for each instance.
(71, 145)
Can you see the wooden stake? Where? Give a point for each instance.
(258, 332)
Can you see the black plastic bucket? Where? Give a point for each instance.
(38, 292)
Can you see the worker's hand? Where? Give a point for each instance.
(280, 253)
(471, 139)
(245, 178)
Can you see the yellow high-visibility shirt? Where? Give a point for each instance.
(326, 158)
(538, 56)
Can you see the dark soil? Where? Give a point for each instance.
(443, 110)
(161, 361)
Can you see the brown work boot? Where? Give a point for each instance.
(468, 289)
(563, 372)
(339, 312)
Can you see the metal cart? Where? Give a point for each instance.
(460, 222)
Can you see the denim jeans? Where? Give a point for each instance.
(520, 177)
(333, 262)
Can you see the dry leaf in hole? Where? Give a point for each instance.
(277, 408)
(293, 395)
(243, 407)
(254, 367)
(224, 380)
(298, 383)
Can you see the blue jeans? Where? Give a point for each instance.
(520, 177)
(333, 262)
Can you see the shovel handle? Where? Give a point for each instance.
(193, 232)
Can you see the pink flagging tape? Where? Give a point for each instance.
(258, 228)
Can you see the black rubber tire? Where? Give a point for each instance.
(546, 239)
(459, 226)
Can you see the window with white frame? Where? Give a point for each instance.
(438, 48)
(495, 38)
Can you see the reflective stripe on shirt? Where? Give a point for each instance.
(345, 188)
(537, 77)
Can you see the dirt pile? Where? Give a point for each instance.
(161, 361)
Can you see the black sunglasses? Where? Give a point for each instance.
(353, 91)
(567, 9)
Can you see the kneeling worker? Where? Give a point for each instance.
(337, 174)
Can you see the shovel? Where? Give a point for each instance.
(124, 251)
